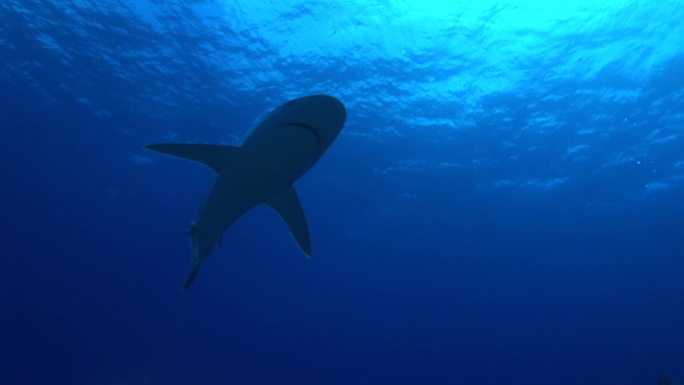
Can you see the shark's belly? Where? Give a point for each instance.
(279, 157)
(267, 168)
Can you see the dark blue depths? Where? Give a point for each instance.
(480, 219)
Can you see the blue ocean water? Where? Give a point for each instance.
(504, 205)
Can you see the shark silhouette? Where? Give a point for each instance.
(664, 379)
(272, 156)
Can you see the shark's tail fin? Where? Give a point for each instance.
(196, 266)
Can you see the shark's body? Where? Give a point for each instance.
(272, 156)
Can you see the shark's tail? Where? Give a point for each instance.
(196, 266)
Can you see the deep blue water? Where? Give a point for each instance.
(504, 206)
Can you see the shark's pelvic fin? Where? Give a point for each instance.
(215, 156)
(287, 205)
(192, 228)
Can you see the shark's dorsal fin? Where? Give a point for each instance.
(215, 156)
(286, 204)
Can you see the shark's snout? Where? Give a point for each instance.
(323, 113)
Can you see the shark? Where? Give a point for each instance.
(664, 379)
(276, 152)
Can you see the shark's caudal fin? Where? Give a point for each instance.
(287, 205)
(196, 266)
(215, 156)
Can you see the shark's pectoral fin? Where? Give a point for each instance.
(287, 205)
(215, 156)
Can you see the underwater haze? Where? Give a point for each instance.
(505, 204)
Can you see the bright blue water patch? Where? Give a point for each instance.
(503, 206)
